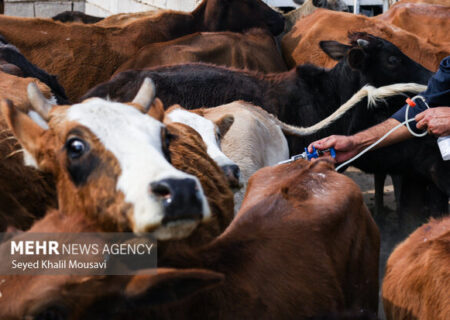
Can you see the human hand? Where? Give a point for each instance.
(435, 120)
(345, 146)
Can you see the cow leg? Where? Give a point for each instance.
(437, 201)
(379, 179)
(413, 207)
(397, 184)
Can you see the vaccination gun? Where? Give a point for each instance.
(310, 155)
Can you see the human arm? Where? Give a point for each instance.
(348, 146)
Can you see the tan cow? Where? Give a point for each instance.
(253, 141)
(301, 44)
(417, 280)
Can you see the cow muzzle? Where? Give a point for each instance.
(233, 175)
(181, 199)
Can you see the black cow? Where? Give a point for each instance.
(76, 16)
(306, 95)
(12, 61)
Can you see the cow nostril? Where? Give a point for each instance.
(236, 171)
(161, 189)
(233, 174)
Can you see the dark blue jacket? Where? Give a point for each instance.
(437, 94)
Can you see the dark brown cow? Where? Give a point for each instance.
(417, 280)
(85, 55)
(253, 50)
(303, 245)
(301, 44)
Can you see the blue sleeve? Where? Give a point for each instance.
(437, 94)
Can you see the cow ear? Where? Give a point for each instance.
(170, 285)
(225, 123)
(213, 14)
(356, 58)
(26, 131)
(335, 50)
(156, 110)
(320, 3)
(40, 105)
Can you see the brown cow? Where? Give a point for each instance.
(187, 152)
(140, 190)
(430, 22)
(25, 193)
(43, 297)
(301, 45)
(253, 50)
(417, 280)
(303, 245)
(85, 55)
(307, 8)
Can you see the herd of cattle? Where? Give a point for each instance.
(173, 123)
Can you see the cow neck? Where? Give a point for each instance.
(308, 94)
(346, 82)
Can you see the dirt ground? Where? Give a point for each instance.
(390, 231)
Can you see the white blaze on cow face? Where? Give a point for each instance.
(134, 139)
(207, 130)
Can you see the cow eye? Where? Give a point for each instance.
(393, 60)
(166, 139)
(76, 148)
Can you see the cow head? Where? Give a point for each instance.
(211, 133)
(110, 163)
(379, 61)
(240, 15)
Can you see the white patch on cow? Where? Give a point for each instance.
(207, 130)
(135, 140)
(29, 160)
(52, 100)
(38, 119)
(175, 230)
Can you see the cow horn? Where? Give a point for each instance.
(40, 104)
(146, 94)
(362, 43)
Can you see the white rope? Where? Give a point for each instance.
(374, 95)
